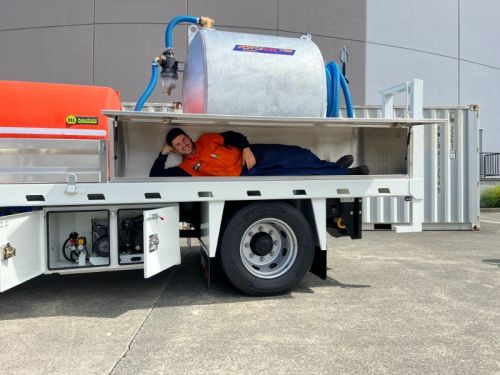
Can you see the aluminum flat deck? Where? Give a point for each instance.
(192, 189)
(172, 118)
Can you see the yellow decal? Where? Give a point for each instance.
(82, 120)
(71, 120)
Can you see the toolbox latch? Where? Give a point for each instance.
(7, 251)
(71, 188)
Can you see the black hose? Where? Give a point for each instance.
(72, 236)
(64, 251)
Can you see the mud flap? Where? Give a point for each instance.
(318, 267)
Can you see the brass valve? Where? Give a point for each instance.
(206, 22)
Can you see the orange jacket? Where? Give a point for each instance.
(212, 158)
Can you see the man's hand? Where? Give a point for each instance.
(248, 158)
(167, 149)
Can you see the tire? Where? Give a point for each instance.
(266, 248)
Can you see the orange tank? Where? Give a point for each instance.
(56, 111)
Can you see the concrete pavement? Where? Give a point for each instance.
(393, 303)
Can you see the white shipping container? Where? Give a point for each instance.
(451, 168)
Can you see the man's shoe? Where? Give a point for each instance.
(359, 170)
(345, 161)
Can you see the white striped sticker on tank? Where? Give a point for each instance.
(51, 131)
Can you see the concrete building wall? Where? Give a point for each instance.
(480, 64)
(450, 44)
(112, 42)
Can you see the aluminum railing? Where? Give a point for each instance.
(489, 164)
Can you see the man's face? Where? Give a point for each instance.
(183, 145)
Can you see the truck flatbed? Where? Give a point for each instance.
(275, 225)
(188, 119)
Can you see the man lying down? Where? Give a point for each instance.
(230, 154)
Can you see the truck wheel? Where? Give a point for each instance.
(267, 248)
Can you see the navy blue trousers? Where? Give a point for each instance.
(285, 160)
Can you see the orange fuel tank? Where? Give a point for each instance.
(55, 111)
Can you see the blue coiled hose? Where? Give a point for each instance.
(151, 86)
(347, 96)
(173, 23)
(335, 80)
(333, 86)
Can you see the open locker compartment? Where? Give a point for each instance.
(148, 236)
(154, 244)
(130, 229)
(138, 234)
(78, 239)
(21, 248)
(161, 239)
(382, 144)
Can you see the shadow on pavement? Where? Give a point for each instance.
(493, 262)
(111, 294)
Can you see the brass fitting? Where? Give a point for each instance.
(206, 22)
(340, 223)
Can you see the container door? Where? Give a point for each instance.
(21, 248)
(161, 239)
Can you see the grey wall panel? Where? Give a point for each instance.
(425, 25)
(262, 14)
(247, 30)
(387, 66)
(479, 30)
(144, 11)
(123, 55)
(481, 85)
(20, 14)
(330, 48)
(336, 18)
(56, 54)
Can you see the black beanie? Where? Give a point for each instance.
(172, 134)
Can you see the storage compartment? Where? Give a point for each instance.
(78, 239)
(383, 149)
(51, 160)
(130, 231)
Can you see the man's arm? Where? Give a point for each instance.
(235, 139)
(238, 140)
(158, 169)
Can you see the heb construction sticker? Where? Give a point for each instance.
(270, 50)
(81, 120)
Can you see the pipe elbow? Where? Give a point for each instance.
(174, 22)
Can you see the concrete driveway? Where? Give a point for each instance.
(397, 304)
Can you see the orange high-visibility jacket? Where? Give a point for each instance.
(212, 158)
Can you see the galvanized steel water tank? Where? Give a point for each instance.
(254, 75)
